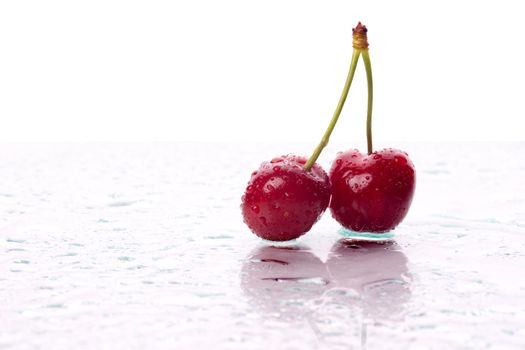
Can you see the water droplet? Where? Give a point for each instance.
(269, 188)
(255, 209)
(286, 194)
(367, 177)
(339, 161)
(299, 182)
(400, 160)
(276, 206)
(263, 220)
(307, 280)
(249, 188)
(276, 168)
(377, 156)
(254, 173)
(281, 262)
(354, 155)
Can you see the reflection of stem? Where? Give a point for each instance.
(363, 335)
(315, 329)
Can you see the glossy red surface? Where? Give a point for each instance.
(371, 193)
(282, 201)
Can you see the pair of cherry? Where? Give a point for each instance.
(365, 192)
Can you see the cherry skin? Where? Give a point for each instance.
(371, 193)
(282, 201)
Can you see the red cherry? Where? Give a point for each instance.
(371, 193)
(282, 201)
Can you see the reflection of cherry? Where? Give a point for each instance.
(371, 193)
(377, 271)
(282, 200)
(281, 280)
(287, 281)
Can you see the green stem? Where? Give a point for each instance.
(368, 67)
(326, 137)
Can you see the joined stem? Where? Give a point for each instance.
(370, 84)
(326, 137)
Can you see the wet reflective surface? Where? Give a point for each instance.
(143, 246)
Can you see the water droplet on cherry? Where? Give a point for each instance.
(255, 209)
(401, 160)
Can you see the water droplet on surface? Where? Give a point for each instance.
(254, 173)
(308, 280)
(269, 188)
(281, 262)
(339, 161)
(263, 220)
(255, 209)
(354, 155)
(299, 182)
(249, 188)
(276, 168)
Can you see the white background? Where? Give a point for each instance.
(258, 70)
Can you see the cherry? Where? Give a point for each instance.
(371, 193)
(283, 200)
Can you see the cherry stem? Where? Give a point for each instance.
(326, 137)
(370, 83)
